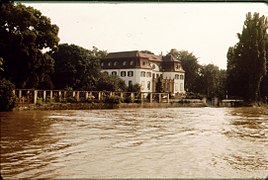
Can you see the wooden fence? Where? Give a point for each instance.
(33, 96)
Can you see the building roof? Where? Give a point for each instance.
(127, 54)
(169, 57)
(123, 54)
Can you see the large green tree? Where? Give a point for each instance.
(211, 81)
(76, 67)
(25, 34)
(110, 83)
(247, 60)
(191, 67)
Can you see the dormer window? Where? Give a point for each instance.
(102, 64)
(115, 63)
(131, 63)
(124, 63)
(109, 63)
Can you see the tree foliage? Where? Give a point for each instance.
(247, 60)
(211, 81)
(207, 80)
(76, 67)
(108, 82)
(7, 97)
(24, 35)
(191, 67)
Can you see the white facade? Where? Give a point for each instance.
(134, 76)
(178, 80)
(135, 67)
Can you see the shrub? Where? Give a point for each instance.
(127, 99)
(7, 97)
(71, 100)
(112, 100)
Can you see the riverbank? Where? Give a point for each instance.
(86, 106)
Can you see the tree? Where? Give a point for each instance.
(191, 67)
(1, 64)
(212, 81)
(25, 34)
(76, 67)
(159, 85)
(134, 88)
(110, 83)
(247, 60)
(264, 83)
(7, 97)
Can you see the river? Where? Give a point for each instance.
(135, 143)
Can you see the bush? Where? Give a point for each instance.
(71, 100)
(7, 97)
(112, 99)
(127, 99)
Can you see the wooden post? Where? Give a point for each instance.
(20, 95)
(160, 98)
(99, 96)
(64, 94)
(44, 95)
(132, 97)
(121, 94)
(73, 93)
(86, 95)
(77, 96)
(167, 97)
(51, 96)
(142, 99)
(59, 96)
(35, 96)
(151, 97)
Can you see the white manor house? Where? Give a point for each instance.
(145, 68)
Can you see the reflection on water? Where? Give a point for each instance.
(136, 143)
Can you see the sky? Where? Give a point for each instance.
(205, 29)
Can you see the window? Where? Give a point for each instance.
(181, 87)
(123, 73)
(176, 76)
(148, 85)
(129, 83)
(142, 85)
(143, 63)
(176, 87)
(149, 74)
(114, 73)
(142, 74)
(109, 63)
(115, 63)
(131, 62)
(124, 63)
(130, 73)
(102, 64)
(181, 77)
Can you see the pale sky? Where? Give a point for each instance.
(205, 29)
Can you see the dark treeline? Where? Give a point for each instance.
(247, 66)
(31, 57)
(201, 80)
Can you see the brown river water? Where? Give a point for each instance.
(135, 143)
